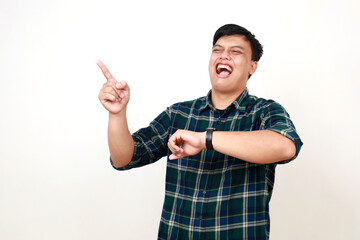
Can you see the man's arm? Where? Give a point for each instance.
(262, 146)
(114, 96)
(121, 143)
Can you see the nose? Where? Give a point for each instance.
(224, 55)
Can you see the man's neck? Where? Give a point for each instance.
(221, 100)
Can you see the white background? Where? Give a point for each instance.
(55, 178)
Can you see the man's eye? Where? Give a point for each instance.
(236, 52)
(216, 50)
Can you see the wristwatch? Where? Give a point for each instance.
(208, 139)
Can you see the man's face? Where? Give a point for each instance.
(230, 64)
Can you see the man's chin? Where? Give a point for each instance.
(222, 87)
(221, 83)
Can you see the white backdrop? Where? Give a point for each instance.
(55, 178)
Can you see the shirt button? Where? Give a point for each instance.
(219, 122)
(200, 217)
(204, 192)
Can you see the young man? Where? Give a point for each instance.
(222, 149)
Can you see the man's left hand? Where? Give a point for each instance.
(185, 143)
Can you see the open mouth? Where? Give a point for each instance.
(223, 70)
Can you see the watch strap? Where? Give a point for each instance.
(208, 139)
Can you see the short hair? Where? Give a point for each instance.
(233, 29)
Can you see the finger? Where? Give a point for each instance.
(176, 156)
(111, 87)
(112, 90)
(173, 157)
(171, 147)
(105, 70)
(174, 146)
(108, 97)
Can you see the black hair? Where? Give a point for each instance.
(233, 29)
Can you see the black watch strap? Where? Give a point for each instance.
(208, 141)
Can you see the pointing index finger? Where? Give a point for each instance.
(105, 70)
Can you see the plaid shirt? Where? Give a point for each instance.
(211, 195)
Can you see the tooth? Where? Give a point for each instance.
(224, 66)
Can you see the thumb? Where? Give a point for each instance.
(122, 85)
(175, 156)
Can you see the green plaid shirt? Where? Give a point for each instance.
(211, 195)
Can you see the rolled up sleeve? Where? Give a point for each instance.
(276, 118)
(150, 142)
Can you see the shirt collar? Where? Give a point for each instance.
(238, 103)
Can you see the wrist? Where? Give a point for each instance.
(203, 140)
(119, 115)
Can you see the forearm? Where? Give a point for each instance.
(263, 146)
(121, 143)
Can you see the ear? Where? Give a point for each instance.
(253, 67)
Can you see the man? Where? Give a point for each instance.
(222, 149)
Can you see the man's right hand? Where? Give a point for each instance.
(114, 95)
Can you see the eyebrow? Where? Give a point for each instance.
(217, 45)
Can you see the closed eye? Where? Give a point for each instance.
(237, 50)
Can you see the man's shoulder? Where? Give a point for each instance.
(254, 101)
(262, 106)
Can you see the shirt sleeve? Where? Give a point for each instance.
(276, 118)
(150, 142)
